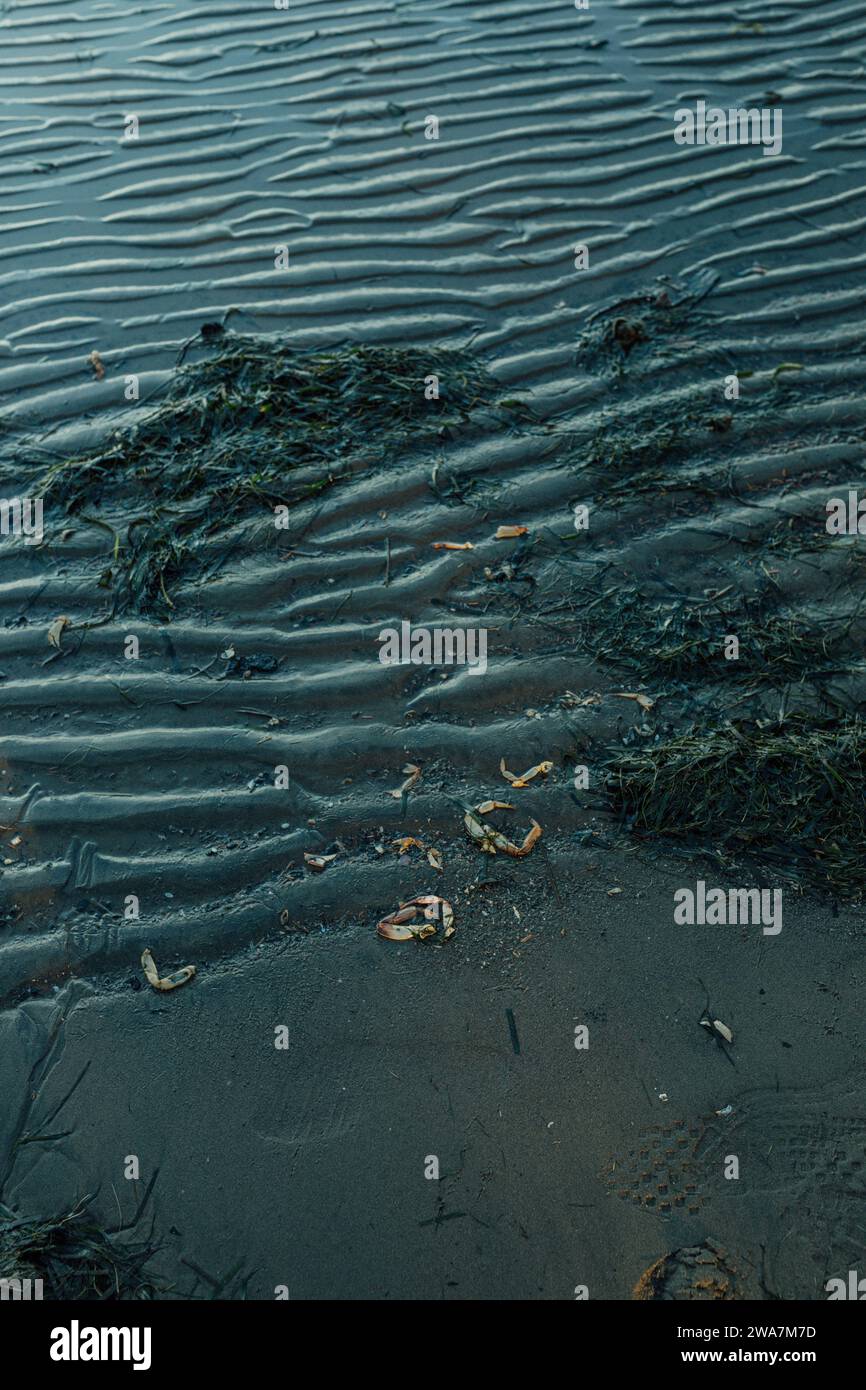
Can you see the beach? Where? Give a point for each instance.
(418, 274)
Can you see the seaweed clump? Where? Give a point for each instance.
(788, 794)
(681, 637)
(257, 423)
(74, 1258)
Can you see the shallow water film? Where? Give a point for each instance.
(432, 559)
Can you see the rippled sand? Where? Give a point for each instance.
(258, 129)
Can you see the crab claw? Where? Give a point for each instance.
(396, 926)
(490, 840)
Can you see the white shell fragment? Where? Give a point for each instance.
(715, 1025)
(55, 632)
(180, 977)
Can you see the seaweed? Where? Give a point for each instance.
(787, 792)
(74, 1257)
(683, 637)
(256, 423)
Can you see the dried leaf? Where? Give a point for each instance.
(96, 363)
(173, 981)
(434, 859)
(55, 631)
(508, 533)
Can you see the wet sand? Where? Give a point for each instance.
(558, 1167)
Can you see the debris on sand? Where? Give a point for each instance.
(568, 700)
(627, 332)
(412, 773)
(720, 1032)
(75, 1258)
(318, 862)
(96, 363)
(401, 925)
(643, 700)
(452, 545)
(56, 630)
(180, 977)
(405, 843)
(261, 663)
(540, 770)
(508, 533)
(663, 312)
(489, 839)
(715, 1025)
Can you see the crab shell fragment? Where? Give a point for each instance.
(152, 975)
(318, 862)
(401, 925)
(540, 770)
(489, 840)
